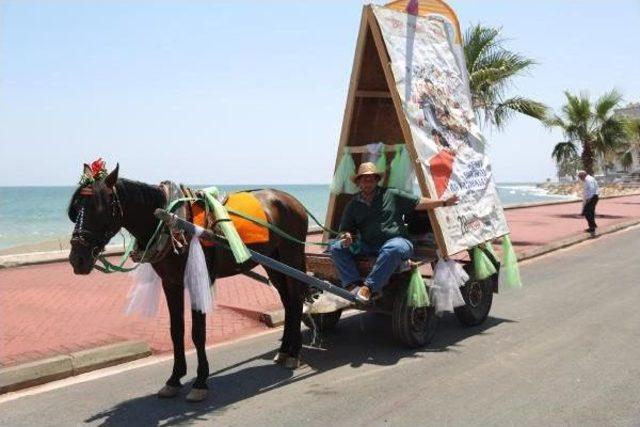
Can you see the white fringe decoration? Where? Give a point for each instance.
(196, 278)
(448, 277)
(144, 296)
(326, 303)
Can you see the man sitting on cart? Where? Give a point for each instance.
(376, 216)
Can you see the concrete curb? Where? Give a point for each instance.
(562, 202)
(58, 367)
(573, 240)
(34, 258)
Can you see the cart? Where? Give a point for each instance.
(374, 113)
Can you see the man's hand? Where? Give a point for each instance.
(346, 240)
(453, 200)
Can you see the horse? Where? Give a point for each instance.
(102, 207)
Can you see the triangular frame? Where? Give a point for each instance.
(370, 46)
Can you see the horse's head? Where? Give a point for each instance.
(97, 213)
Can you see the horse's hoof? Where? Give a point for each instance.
(169, 391)
(197, 395)
(293, 363)
(280, 358)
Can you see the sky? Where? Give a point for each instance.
(253, 92)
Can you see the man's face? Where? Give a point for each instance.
(367, 183)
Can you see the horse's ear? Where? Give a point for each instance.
(111, 179)
(87, 171)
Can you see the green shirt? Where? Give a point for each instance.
(383, 219)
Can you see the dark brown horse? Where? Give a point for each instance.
(100, 209)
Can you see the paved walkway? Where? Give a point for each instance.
(46, 310)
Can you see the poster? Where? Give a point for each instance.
(431, 80)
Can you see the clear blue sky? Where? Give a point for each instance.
(253, 92)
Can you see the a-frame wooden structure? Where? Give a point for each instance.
(373, 111)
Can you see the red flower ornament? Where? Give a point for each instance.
(93, 173)
(98, 168)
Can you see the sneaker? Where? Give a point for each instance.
(364, 294)
(589, 230)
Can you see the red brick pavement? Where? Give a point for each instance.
(46, 310)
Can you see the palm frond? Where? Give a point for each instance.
(606, 103)
(564, 152)
(518, 104)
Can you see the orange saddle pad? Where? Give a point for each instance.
(245, 203)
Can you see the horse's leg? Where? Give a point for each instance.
(279, 280)
(199, 335)
(293, 256)
(175, 301)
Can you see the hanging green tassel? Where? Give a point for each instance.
(400, 169)
(342, 178)
(381, 163)
(510, 271)
(482, 266)
(239, 250)
(417, 295)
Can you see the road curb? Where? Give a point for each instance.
(35, 258)
(29, 374)
(573, 240)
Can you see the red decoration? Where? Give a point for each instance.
(441, 167)
(98, 167)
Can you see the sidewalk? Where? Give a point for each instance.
(46, 310)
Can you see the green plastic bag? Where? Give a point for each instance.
(417, 295)
(342, 178)
(400, 170)
(483, 268)
(381, 164)
(510, 272)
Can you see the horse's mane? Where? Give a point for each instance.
(145, 194)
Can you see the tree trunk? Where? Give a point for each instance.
(587, 157)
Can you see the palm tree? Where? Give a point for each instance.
(491, 70)
(593, 128)
(633, 144)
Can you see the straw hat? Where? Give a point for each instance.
(366, 168)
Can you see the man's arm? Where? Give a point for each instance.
(426, 203)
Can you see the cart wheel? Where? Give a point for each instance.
(478, 296)
(413, 327)
(323, 322)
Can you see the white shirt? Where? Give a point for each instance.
(590, 187)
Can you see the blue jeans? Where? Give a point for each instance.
(390, 255)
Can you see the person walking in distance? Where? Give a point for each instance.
(589, 200)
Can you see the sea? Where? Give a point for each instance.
(32, 215)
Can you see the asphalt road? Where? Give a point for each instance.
(562, 351)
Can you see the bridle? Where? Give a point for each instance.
(90, 239)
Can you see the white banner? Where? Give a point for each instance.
(431, 79)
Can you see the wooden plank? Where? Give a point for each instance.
(389, 148)
(372, 94)
(406, 130)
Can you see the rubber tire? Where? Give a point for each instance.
(405, 330)
(472, 315)
(325, 322)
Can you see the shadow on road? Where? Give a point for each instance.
(358, 340)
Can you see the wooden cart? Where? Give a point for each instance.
(374, 113)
